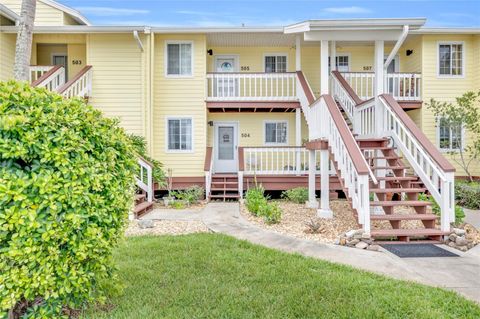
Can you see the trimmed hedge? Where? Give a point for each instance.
(66, 186)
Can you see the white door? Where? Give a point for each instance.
(61, 59)
(226, 87)
(226, 147)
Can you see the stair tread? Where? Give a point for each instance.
(225, 183)
(400, 203)
(224, 196)
(383, 157)
(224, 175)
(404, 217)
(371, 139)
(142, 206)
(397, 190)
(386, 148)
(407, 232)
(390, 167)
(224, 189)
(397, 178)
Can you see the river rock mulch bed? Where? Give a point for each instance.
(299, 221)
(463, 237)
(164, 227)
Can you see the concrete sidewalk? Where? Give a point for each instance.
(460, 274)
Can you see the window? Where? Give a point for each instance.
(450, 59)
(179, 59)
(449, 135)
(179, 134)
(276, 132)
(342, 63)
(275, 63)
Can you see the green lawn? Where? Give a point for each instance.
(215, 276)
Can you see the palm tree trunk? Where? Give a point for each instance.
(23, 50)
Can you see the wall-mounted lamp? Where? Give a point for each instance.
(210, 123)
(210, 52)
(409, 52)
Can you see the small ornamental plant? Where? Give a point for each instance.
(66, 186)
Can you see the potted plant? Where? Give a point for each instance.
(167, 200)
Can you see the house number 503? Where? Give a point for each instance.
(77, 62)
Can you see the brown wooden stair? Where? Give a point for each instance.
(224, 187)
(142, 206)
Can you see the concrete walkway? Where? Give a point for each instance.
(460, 274)
(472, 217)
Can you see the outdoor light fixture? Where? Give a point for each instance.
(210, 52)
(409, 52)
(210, 123)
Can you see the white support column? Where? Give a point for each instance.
(324, 211)
(379, 88)
(298, 54)
(324, 78)
(333, 56)
(298, 138)
(312, 201)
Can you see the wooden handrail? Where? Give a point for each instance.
(347, 87)
(46, 75)
(208, 159)
(431, 149)
(347, 137)
(146, 161)
(306, 87)
(64, 87)
(241, 159)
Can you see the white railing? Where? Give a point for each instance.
(351, 164)
(438, 178)
(144, 178)
(251, 86)
(278, 161)
(364, 119)
(36, 71)
(53, 81)
(403, 86)
(80, 85)
(208, 168)
(341, 95)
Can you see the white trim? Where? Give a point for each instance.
(236, 57)
(180, 117)
(265, 122)
(236, 141)
(449, 150)
(395, 60)
(464, 60)
(9, 14)
(275, 54)
(74, 13)
(191, 75)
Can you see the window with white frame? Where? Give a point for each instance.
(179, 59)
(449, 135)
(179, 134)
(450, 59)
(342, 63)
(275, 63)
(276, 132)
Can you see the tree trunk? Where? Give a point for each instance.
(23, 50)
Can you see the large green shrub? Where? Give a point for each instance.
(254, 199)
(66, 186)
(271, 213)
(297, 195)
(467, 194)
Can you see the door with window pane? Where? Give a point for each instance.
(225, 86)
(226, 147)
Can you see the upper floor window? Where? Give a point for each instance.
(276, 63)
(179, 58)
(449, 135)
(450, 59)
(179, 134)
(276, 132)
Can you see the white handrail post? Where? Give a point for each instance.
(207, 184)
(150, 184)
(379, 86)
(240, 184)
(364, 209)
(324, 211)
(298, 138)
(312, 201)
(447, 205)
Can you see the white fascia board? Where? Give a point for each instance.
(446, 30)
(74, 13)
(9, 14)
(297, 28)
(79, 29)
(217, 30)
(350, 35)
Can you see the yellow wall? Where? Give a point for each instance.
(44, 15)
(7, 55)
(180, 97)
(118, 73)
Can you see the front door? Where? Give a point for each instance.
(226, 147)
(225, 86)
(61, 59)
(392, 83)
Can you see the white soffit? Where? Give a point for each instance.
(250, 39)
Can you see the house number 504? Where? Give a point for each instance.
(245, 134)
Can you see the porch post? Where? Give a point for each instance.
(312, 202)
(298, 138)
(298, 54)
(333, 56)
(379, 89)
(324, 67)
(324, 211)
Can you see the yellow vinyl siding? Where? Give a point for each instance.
(68, 20)
(251, 126)
(7, 55)
(413, 62)
(446, 88)
(310, 61)
(180, 96)
(44, 15)
(118, 78)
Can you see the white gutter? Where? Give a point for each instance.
(140, 44)
(397, 46)
(78, 29)
(9, 14)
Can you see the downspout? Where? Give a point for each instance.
(140, 44)
(397, 46)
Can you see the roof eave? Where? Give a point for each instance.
(6, 12)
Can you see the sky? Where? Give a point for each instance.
(440, 13)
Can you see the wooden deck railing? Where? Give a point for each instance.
(80, 85)
(52, 79)
(36, 71)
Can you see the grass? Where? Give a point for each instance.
(216, 276)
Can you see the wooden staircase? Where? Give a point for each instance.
(396, 189)
(224, 187)
(142, 206)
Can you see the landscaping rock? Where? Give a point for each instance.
(373, 247)
(461, 241)
(463, 237)
(361, 245)
(146, 223)
(353, 242)
(459, 232)
(452, 237)
(350, 233)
